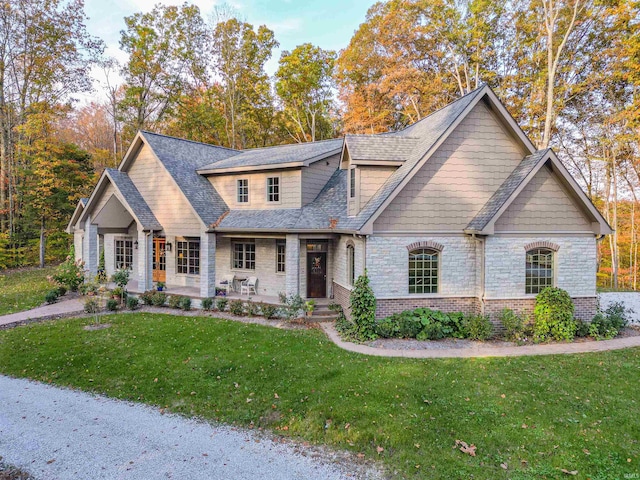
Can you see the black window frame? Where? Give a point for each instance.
(351, 264)
(242, 190)
(273, 189)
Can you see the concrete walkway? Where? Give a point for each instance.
(62, 434)
(61, 309)
(484, 350)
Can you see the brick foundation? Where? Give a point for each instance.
(468, 305)
(341, 297)
(585, 307)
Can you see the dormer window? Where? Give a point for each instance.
(273, 189)
(352, 180)
(243, 190)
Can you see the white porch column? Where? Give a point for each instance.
(292, 264)
(90, 254)
(207, 264)
(145, 263)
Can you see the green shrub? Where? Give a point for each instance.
(147, 297)
(409, 325)
(432, 329)
(91, 306)
(387, 327)
(207, 303)
(221, 303)
(477, 327)
(158, 299)
(515, 325)
(602, 328)
(346, 328)
(252, 309)
(101, 277)
(582, 328)
(70, 273)
(291, 305)
(121, 277)
(618, 315)
(363, 308)
(553, 315)
(185, 304)
(132, 303)
(236, 307)
(268, 310)
(175, 300)
(112, 305)
(62, 290)
(89, 288)
(51, 296)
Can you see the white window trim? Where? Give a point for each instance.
(244, 259)
(115, 251)
(248, 202)
(188, 239)
(278, 243)
(438, 277)
(266, 188)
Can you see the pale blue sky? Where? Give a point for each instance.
(329, 24)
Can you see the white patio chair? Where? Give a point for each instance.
(249, 285)
(228, 283)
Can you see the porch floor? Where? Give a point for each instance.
(194, 292)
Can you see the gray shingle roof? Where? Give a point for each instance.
(428, 130)
(510, 185)
(380, 147)
(84, 201)
(292, 153)
(182, 159)
(134, 199)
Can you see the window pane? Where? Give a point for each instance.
(281, 255)
(243, 190)
(538, 270)
(423, 271)
(273, 189)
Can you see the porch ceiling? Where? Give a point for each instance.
(113, 215)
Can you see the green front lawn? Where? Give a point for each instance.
(532, 415)
(23, 289)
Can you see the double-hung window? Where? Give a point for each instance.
(244, 256)
(188, 256)
(243, 190)
(124, 253)
(273, 189)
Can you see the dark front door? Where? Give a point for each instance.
(316, 274)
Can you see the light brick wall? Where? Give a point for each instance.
(269, 282)
(340, 259)
(575, 264)
(388, 265)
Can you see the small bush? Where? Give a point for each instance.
(268, 310)
(221, 303)
(553, 315)
(514, 325)
(70, 273)
(601, 327)
(478, 327)
(88, 288)
(236, 307)
(185, 304)
(62, 290)
(147, 297)
(51, 296)
(207, 303)
(159, 299)
(346, 328)
(409, 325)
(291, 305)
(175, 300)
(582, 329)
(431, 329)
(91, 306)
(121, 277)
(252, 309)
(112, 305)
(618, 315)
(387, 328)
(132, 303)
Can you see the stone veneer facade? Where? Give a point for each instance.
(460, 273)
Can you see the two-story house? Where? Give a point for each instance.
(458, 211)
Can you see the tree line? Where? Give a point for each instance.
(567, 70)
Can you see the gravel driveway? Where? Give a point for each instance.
(56, 433)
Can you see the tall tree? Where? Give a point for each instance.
(240, 53)
(304, 82)
(167, 49)
(45, 56)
